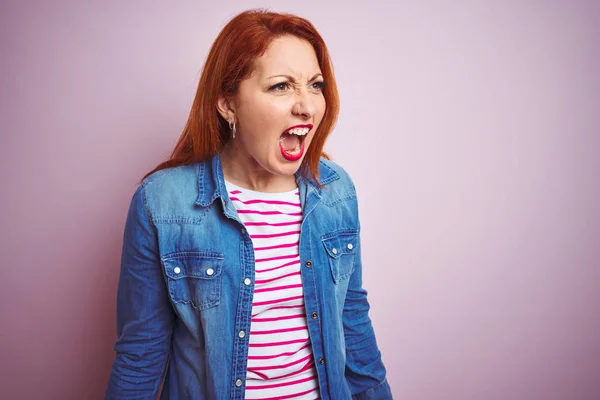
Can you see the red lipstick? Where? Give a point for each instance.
(297, 153)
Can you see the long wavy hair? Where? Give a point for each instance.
(230, 60)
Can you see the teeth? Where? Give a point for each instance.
(298, 131)
(295, 151)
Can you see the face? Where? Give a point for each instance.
(278, 108)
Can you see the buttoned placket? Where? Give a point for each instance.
(310, 198)
(243, 315)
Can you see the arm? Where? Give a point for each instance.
(365, 372)
(144, 313)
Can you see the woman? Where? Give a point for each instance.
(241, 266)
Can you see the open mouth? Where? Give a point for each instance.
(291, 142)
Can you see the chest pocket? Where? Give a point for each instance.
(341, 247)
(194, 278)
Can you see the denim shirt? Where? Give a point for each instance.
(182, 301)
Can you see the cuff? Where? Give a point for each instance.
(380, 392)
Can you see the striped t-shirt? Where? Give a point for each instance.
(280, 359)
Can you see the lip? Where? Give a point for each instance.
(298, 156)
(291, 157)
(309, 126)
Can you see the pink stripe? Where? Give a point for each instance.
(282, 366)
(270, 344)
(284, 330)
(272, 289)
(289, 353)
(258, 260)
(267, 212)
(235, 192)
(274, 235)
(264, 303)
(259, 201)
(276, 385)
(280, 246)
(308, 366)
(281, 266)
(290, 396)
(280, 308)
(276, 278)
(272, 224)
(262, 376)
(277, 318)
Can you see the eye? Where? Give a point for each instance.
(319, 85)
(279, 87)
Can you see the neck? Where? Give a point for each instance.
(244, 171)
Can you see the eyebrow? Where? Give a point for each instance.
(291, 78)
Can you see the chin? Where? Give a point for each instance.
(286, 168)
(290, 168)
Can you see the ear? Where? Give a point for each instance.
(226, 108)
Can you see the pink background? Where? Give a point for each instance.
(471, 130)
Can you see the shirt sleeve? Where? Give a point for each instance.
(144, 313)
(365, 372)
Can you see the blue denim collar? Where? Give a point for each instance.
(211, 181)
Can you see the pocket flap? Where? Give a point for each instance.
(340, 243)
(193, 265)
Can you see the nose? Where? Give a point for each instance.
(304, 106)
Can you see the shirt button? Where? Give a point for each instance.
(314, 315)
(210, 272)
(247, 281)
(242, 334)
(177, 270)
(308, 264)
(350, 246)
(243, 231)
(238, 382)
(321, 361)
(334, 250)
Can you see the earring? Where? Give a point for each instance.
(232, 127)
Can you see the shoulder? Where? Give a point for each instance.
(336, 181)
(332, 172)
(171, 189)
(169, 178)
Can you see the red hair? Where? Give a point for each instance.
(230, 60)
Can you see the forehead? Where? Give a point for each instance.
(287, 55)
